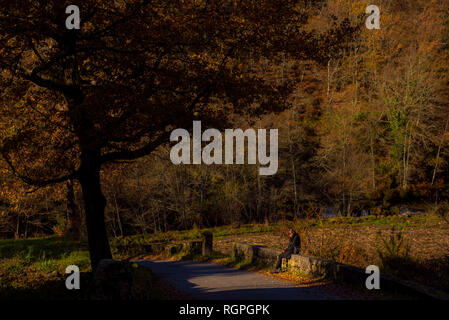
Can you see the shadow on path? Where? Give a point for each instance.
(207, 281)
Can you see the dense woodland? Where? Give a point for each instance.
(366, 127)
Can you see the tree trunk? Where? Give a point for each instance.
(94, 205)
(119, 221)
(17, 233)
(73, 215)
(437, 160)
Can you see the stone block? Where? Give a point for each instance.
(207, 243)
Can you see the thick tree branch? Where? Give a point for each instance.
(135, 154)
(37, 182)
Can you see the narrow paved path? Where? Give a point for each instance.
(209, 281)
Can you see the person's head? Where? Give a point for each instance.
(291, 232)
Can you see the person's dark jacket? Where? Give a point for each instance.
(294, 245)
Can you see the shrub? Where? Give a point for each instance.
(394, 253)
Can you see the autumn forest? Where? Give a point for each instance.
(85, 115)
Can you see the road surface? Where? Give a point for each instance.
(207, 281)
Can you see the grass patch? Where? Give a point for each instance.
(39, 248)
(218, 232)
(398, 221)
(35, 268)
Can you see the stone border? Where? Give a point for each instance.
(331, 269)
(201, 246)
(186, 247)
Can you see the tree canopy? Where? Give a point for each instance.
(73, 100)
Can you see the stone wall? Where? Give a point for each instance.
(188, 248)
(331, 269)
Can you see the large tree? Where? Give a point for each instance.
(73, 100)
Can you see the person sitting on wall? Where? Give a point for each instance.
(294, 247)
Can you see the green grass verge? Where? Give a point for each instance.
(399, 221)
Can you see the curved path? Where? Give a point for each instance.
(207, 281)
